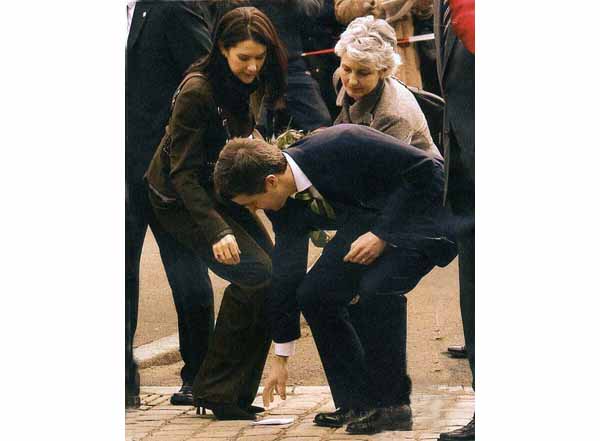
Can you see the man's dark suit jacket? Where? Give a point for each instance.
(164, 39)
(456, 72)
(363, 174)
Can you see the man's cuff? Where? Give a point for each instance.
(285, 349)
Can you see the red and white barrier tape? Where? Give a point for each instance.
(413, 39)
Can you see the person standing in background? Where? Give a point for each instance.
(322, 32)
(164, 38)
(304, 106)
(369, 94)
(454, 25)
(399, 14)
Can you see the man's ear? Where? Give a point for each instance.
(271, 181)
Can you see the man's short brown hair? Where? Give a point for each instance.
(243, 166)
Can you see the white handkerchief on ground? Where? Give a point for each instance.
(274, 421)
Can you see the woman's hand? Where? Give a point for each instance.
(226, 250)
(365, 249)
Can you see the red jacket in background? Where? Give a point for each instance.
(463, 22)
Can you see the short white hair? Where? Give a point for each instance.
(370, 41)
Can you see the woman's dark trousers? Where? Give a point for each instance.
(238, 350)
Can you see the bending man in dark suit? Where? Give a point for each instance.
(384, 198)
(456, 72)
(164, 38)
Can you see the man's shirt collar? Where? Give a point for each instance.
(301, 180)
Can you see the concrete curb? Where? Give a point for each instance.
(158, 353)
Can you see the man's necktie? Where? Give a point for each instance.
(317, 205)
(321, 207)
(446, 19)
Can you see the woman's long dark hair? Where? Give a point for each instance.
(236, 26)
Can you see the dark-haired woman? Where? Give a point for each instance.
(211, 106)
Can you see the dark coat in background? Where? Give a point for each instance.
(165, 37)
(456, 72)
(305, 108)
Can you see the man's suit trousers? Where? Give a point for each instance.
(362, 346)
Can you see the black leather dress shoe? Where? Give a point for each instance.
(457, 351)
(338, 418)
(383, 418)
(184, 397)
(465, 433)
(132, 389)
(132, 401)
(254, 409)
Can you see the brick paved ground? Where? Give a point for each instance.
(434, 411)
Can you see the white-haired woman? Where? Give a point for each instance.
(369, 94)
(404, 16)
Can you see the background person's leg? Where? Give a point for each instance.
(136, 225)
(466, 267)
(193, 298)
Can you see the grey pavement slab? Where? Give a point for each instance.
(435, 410)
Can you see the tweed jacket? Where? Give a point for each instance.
(392, 109)
(179, 175)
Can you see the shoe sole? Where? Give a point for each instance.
(400, 426)
(336, 426)
(454, 439)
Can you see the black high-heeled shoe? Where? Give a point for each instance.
(254, 409)
(224, 412)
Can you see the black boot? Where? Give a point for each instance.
(184, 396)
